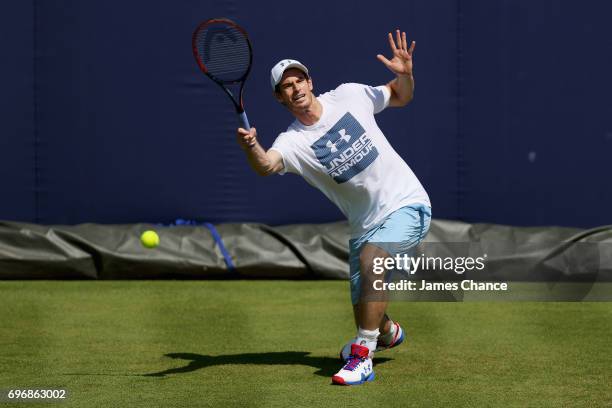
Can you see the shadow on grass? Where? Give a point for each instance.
(327, 366)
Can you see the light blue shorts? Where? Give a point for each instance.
(399, 233)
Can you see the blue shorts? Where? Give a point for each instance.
(397, 234)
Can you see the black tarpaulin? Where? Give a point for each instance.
(306, 251)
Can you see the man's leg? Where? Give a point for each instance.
(372, 304)
(385, 325)
(370, 315)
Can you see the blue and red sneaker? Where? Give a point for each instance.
(398, 338)
(358, 368)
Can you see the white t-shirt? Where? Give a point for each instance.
(347, 157)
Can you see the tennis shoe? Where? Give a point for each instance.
(398, 339)
(358, 368)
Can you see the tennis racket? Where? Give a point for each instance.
(223, 52)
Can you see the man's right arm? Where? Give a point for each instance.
(264, 163)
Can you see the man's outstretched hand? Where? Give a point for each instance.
(401, 62)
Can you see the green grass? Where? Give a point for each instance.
(275, 343)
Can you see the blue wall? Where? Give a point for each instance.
(17, 129)
(109, 120)
(536, 112)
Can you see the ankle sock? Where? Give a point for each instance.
(367, 338)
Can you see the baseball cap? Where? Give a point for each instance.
(277, 71)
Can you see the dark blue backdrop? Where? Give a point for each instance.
(105, 117)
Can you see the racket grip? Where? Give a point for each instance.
(244, 121)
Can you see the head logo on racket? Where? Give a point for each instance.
(223, 52)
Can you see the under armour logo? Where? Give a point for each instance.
(344, 137)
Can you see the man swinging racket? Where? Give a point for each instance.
(336, 145)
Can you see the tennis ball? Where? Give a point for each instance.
(149, 239)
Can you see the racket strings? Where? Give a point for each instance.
(224, 51)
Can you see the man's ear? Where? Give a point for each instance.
(310, 84)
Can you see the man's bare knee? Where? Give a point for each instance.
(368, 277)
(369, 253)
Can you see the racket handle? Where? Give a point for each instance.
(244, 121)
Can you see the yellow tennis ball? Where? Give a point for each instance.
(149, 239)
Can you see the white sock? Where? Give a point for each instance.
(388, 338)
(367, 338)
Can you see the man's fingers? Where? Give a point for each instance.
(245, 132)
(411, 50)
(399, 39)
(384, 60)
(392, 43)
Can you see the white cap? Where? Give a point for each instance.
(277, 71)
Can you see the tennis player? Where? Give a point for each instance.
(336, 145)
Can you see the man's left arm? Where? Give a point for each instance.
(402, 87)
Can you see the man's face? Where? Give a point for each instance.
(295, 90)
